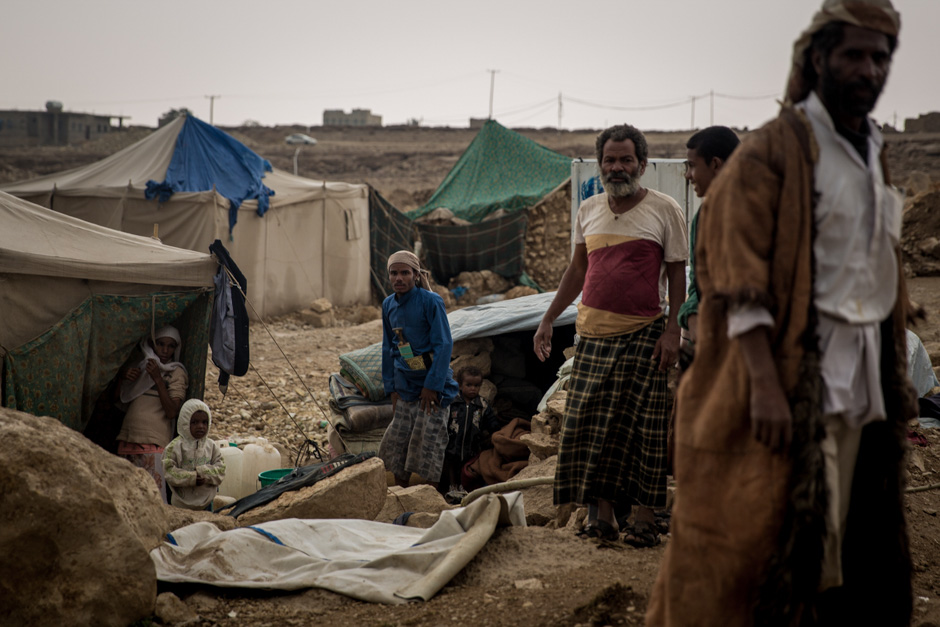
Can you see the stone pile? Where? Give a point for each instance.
(519, 291)
(475, 352)
(319, 314)
(478, 284)
(548, 238)
(920, 233)
(544, 439)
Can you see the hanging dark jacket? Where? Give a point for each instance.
(228, 326)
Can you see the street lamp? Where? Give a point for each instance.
(300, 140)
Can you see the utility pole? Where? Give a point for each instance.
(559, 112)
(492, 84)
(212, 107)
(711, 108)
(693, 114)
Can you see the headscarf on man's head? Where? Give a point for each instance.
(132, 389)
(410, 259)
(876, 15)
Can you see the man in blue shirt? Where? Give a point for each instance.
(416, 349)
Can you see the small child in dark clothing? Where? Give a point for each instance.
(470, 424)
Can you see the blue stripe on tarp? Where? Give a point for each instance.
(268, 535)
(171, 539)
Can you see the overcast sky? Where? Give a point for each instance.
(285, 61)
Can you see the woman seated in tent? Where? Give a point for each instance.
(155, 390)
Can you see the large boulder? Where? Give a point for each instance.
(76, 528)
(357, 491)
(422, 498)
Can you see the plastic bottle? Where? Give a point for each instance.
(234, 459)
(259, 456)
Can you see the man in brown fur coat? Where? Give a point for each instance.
(791, 421)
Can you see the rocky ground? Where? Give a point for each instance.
(524, 576)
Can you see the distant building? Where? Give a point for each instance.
(924, 123)
(52, 127)
(358, 117)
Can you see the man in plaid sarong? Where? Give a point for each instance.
(628, 242)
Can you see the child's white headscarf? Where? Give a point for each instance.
(189, 444)
(132, 389)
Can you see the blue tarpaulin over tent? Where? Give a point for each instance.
(206, 158)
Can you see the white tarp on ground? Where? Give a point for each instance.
(366, 560)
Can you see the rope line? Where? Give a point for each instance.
(289, 363)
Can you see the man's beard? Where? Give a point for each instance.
(845, 95)
(621, 185)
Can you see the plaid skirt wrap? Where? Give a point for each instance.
(415, 441)
(613, 440)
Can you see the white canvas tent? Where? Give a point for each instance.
(75, 298)
(313, 241)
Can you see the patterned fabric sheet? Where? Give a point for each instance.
(62, 372)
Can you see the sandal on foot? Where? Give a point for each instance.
(642, 536)
(588, 530)
(662, 522)
(601, 530)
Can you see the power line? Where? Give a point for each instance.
(498, 114)
(548, 107)
(763, 97)
(525, 108)
(597, 105)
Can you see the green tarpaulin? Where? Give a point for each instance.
(499, 169)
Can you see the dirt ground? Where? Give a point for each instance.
(524, 576)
